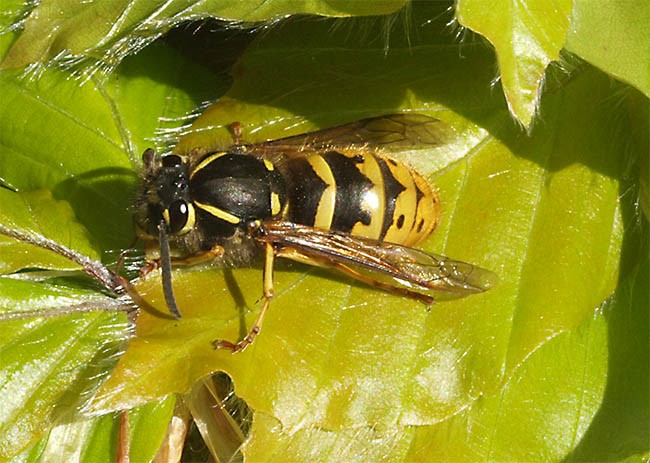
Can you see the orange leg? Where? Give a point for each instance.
(296, 255)
(215, 251)
(269, 292)
(123, 254)
(384, 286)
(236, 133)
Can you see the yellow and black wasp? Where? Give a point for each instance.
(334, 198)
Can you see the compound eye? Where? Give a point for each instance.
(179, 212)
(172, 160)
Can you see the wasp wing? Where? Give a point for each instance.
(407, 266)
(391, 131)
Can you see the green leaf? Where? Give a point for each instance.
(615, 36)
(83, 141)
(542, 211)
(148, 426)
(539, 415)
(93, 439)
(32, 455)
(50, 366)
(621, 428)
(547, 212)
(86, 155)
(36, 213)
(111, 30)
(98, 438)
(527, 36)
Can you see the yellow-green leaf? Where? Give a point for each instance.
(39, 215)
(112, 29)
(527, 36)
(615, 36)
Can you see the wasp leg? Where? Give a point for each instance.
(123, 254)
(149, 267)
(215, 251)
(236, 133)
(381, 285)
(269, 292)
(298, 256)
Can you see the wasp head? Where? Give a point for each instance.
(164, 208)
(164, 198)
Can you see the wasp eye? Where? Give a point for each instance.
(172, 161)
(178, 214)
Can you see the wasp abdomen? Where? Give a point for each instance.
(361, 193)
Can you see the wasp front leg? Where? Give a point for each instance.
(269, 292)
(212, 253)
(237, 136)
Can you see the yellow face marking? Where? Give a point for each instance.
(275, 203)
(325, 210)
(206, 161)
(219, 213)
(269, 165)
(191, 220)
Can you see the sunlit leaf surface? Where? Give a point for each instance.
(110, 30)
(81, 142)
(50, 366)
(98, 438)
(615, 36)
(337, 362)
(525, 411)
(37, 214)
(84, 142)
(533, 209)
(527, 36)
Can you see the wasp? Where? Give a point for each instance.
(333, 198)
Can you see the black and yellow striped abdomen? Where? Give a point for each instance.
(362, 193)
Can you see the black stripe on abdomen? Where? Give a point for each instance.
(305, 191)
(351, 185)
(392, 189)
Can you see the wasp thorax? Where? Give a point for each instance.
(229, 190)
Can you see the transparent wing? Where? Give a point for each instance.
(406, 266)
(392, 131)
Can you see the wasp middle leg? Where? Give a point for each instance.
(269, 292)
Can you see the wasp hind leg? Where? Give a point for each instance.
(269, 292)
(381, 285)
(298, 256)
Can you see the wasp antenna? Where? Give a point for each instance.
(166, 264)
(148, 158)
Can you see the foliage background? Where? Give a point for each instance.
(545, 185)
